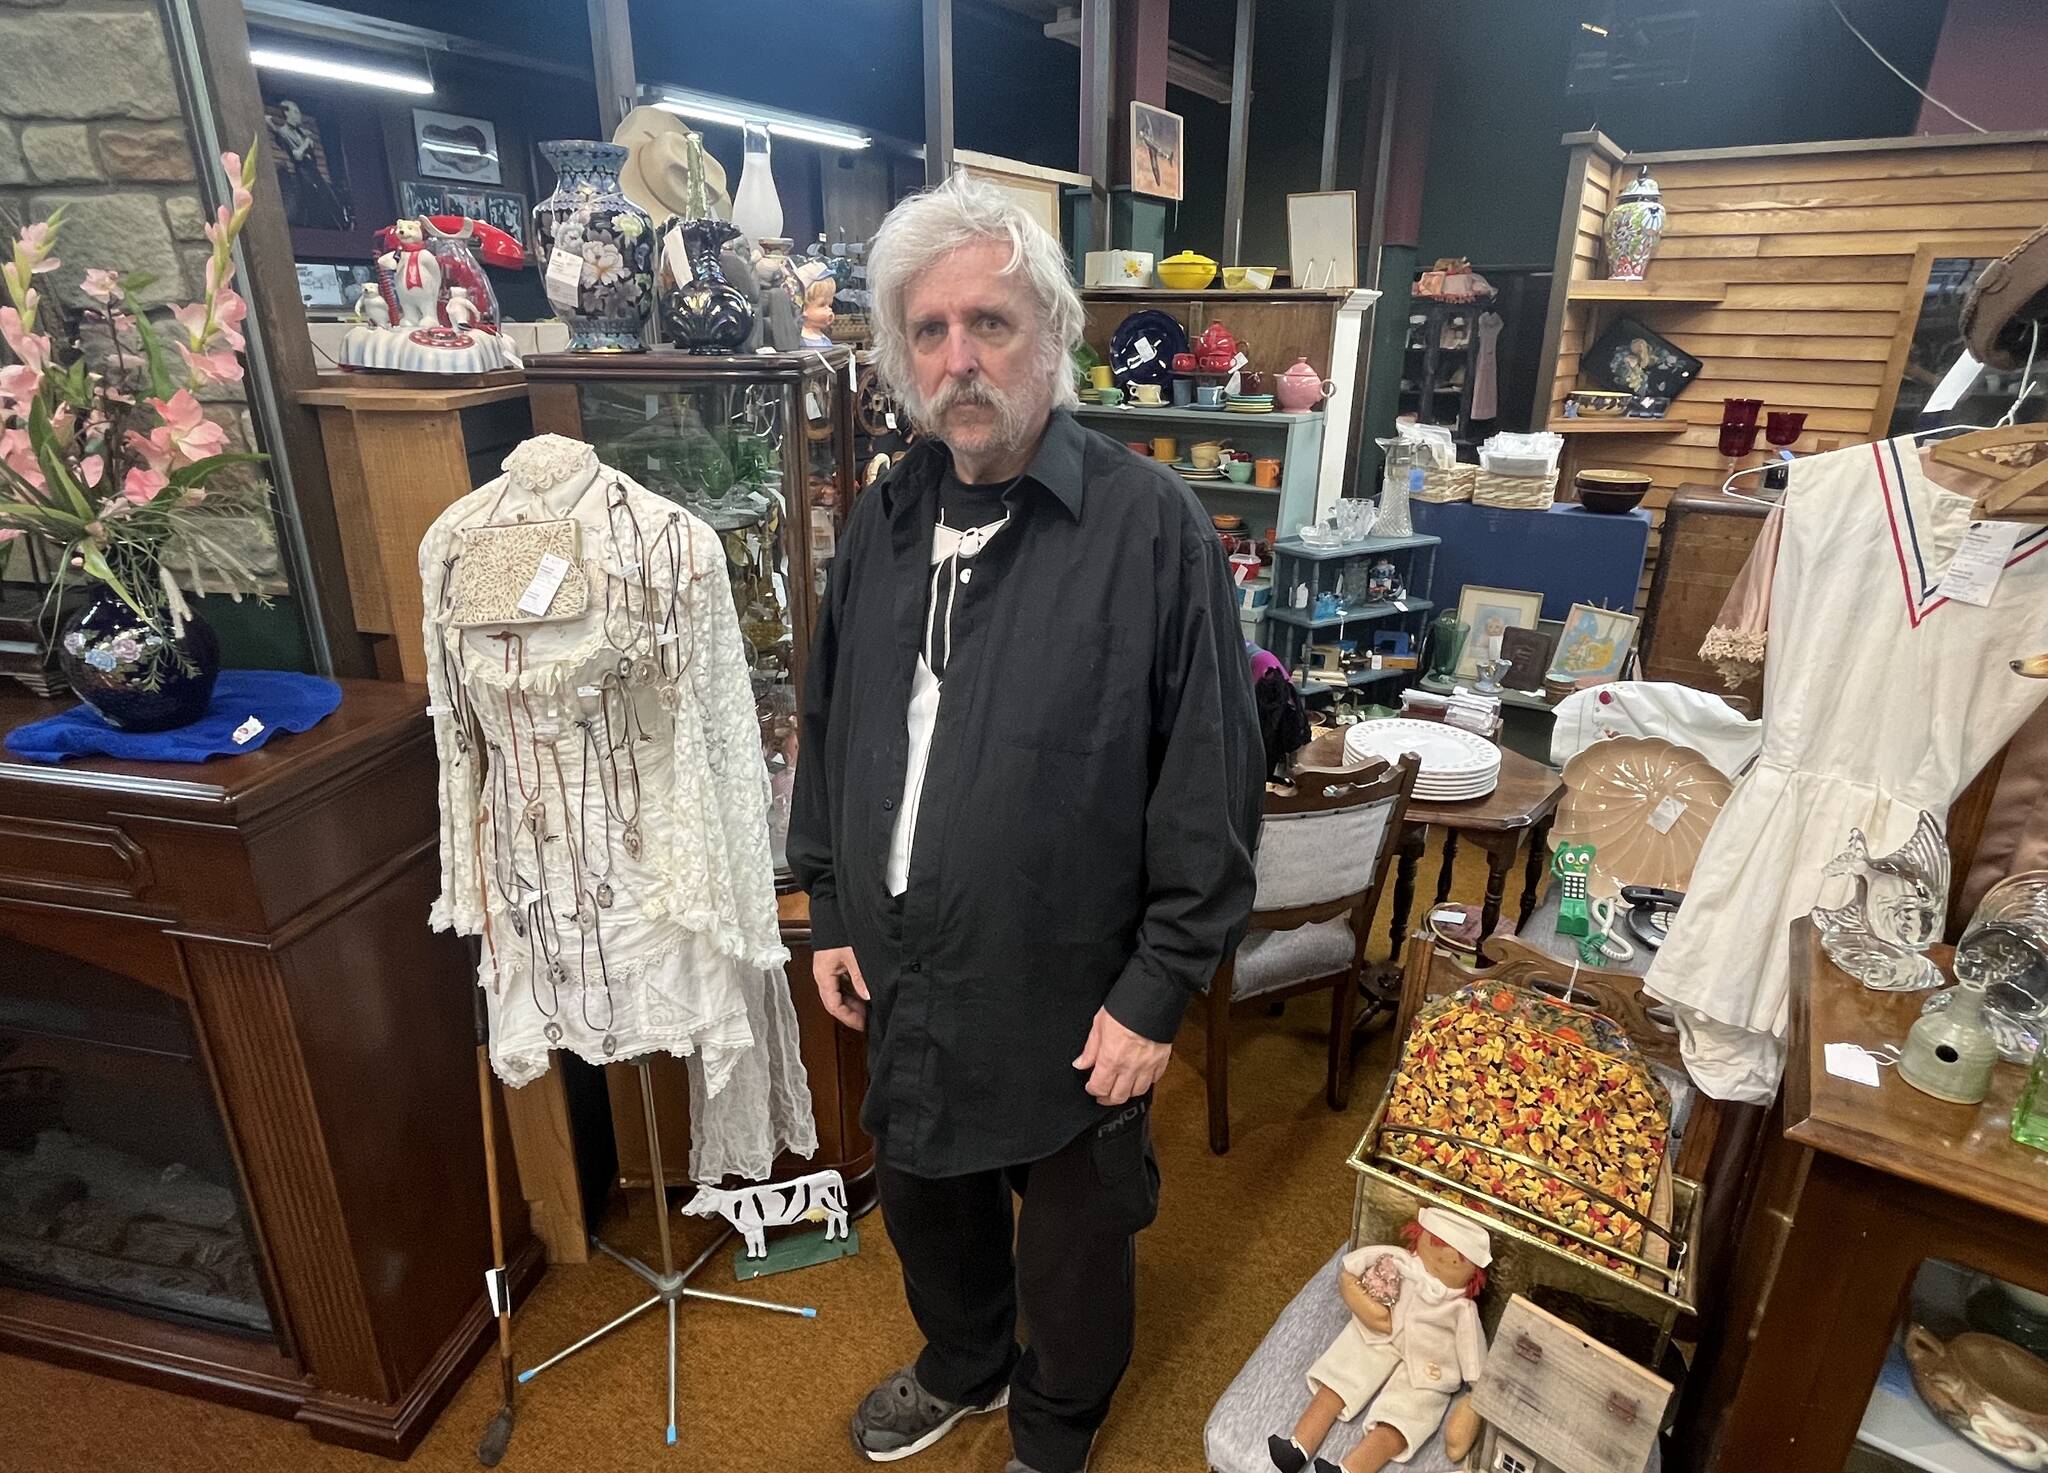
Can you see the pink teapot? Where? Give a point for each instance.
(1301, 388)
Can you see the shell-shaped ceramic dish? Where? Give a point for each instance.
(1645, 805)
(1988, 1390)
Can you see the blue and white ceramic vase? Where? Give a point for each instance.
(613, 238)
(1634, 226)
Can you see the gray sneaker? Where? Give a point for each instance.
(899, 1417)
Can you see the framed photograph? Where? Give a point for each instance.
(1595, 644)
(1489, 613)
(451, 146)
(507, 212)
(415, 198)
(312, 174)
(466, 202)
(1156, 150)
(1322, 239)
(1527, 652)
(1630, 358)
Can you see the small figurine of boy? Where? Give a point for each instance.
(1413, 1340)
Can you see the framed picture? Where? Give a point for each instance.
(507, 212)
(415, 198)
(1630, 358)
(451, 146)
(1156, 144)
(1595, 644)
(1527, 652)
(1322, 239)
(465, 202)
(1489, 613)
(312, 175)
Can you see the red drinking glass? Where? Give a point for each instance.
(1738, 426)
(1783, 426)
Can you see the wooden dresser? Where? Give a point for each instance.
(239, 1147)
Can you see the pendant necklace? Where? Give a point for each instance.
(595, 931)
(504, 869)
(577, 854)
(615, 798)
(669, 639)
(604, 889)
(635, 665)
(458, 697)
(535, 808)
(540, 919)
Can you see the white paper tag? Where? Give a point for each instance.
(437, 710)
(1238, 362)
(889, 419)
(1401, 604)
(1667, 813)
(1143, 351)
(589, 692)
(496, 1291)
(541, 591)
(1376, 662)
(781, 592)
(812, 407)
(1852, 1062)
(669, 636)
(564, 277)
(246, 732)
(1239, 573)
(1973, 572)
(678, 258)
(1450, 915)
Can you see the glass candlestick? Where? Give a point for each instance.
(2030, 1114)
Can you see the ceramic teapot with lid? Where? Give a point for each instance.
(1301, 387)
(1216, 348)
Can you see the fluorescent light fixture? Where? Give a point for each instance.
(274, 60)
(704, 107)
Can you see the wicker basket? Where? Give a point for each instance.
(1447, 483)
(1531, 493)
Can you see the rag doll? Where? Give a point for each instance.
(1413, 1341)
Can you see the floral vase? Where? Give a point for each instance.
(708, 314)
(1634, 226)
(588, 217)
(133, 675)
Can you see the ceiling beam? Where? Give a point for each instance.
(326, 23)
(938, 90)
(1333, 100)
(1190, 71)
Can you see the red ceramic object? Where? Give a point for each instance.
(1183, 363)
(1216, 341)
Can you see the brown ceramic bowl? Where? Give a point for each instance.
(1611, 492)
(1988, 1390)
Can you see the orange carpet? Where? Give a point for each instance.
(1237, 1235)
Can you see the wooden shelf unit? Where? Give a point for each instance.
(1617, 427)
(1643, 292)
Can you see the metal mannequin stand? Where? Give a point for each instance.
(669, 1286)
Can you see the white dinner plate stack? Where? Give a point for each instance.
(1457, 765)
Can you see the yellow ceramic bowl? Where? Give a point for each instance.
(1249, 278)
(1186, 272)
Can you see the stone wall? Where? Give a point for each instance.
(91, 119)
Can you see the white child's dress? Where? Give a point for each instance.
(1882, 697)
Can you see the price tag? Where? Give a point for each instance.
(889, 419)
(1143, 351)
(496, 1291)
(1376, 662)
(546, 580)
(246, 732)
(1401, 604)
(589, 692)
(678, 258)
(1415, 479)
(781, 592)
(1239, 361)
(1974, 570)
(811, 405)
(1851, 1061)
(564, 277)
(1667, 813)
(440, 710)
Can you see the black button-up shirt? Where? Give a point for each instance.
(1086, 825)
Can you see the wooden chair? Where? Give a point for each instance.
(1324, 851)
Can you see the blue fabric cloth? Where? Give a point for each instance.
(281, 699)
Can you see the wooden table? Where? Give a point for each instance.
(1523, 805)
(1856, 1188)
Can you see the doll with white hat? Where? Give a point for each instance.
(1414, 1339)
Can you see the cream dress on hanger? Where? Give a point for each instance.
(604, 811)
(1882, 697)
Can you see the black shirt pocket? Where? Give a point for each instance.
(1069, 696)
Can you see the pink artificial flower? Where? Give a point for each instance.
(192, 435)
(218, 367)
(101, 285)
(192, 318)
(20, 457)
(231, 165)
(8, 534)
(142, 485)
(154, 450)
(90, 470)
(18, 384)
(229, 310)
(32, 348)
(36, 243)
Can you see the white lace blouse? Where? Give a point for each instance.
(604, 810)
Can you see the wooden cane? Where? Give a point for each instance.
(499, 1433)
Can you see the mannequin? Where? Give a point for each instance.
(604, 805)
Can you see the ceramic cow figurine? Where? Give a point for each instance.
(819, 1197)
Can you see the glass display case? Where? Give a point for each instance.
(761, 448)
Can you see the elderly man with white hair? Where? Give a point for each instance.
(1025, 810)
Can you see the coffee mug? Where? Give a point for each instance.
(1205, 455)
(1101, 376)
(1183, 363)
(1209, 396)
(1111, 396)
(1266, 472)
(1183, 393)
(1146, 393)
(1138, 447)
(1239, 471)
(1165, 447)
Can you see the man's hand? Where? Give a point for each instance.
(841, 987)
(1122, 1064)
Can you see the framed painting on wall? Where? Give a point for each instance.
(1489, 613)
(312, 173)
(451, 146)
(1157, 143)
(416, 198)
(507, 212)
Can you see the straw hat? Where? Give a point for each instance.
(657, 174)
